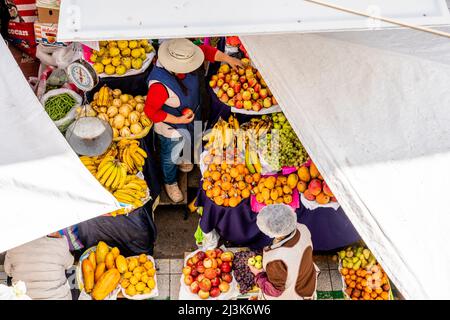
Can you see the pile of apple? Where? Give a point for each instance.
(242, 89)
(208, 273)
(313, 186)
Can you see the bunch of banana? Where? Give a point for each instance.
(132, 192)
(222, 135)
(90, 163)
(252, 160)
(132, 155)
(104, 97)
(111, 173)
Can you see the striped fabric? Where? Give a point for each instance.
(71, 234)
(26, 10)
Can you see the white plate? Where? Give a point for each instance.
(150, 295)
(132, 72)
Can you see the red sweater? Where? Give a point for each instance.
(157, 93)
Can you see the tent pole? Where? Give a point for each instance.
(388, 20)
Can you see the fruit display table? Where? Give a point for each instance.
(330, 229)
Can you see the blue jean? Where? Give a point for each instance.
(169, 165)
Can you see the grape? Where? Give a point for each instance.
(242, 272)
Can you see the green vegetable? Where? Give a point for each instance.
(58, 106)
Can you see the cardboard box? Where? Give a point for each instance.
(48, 15)
(46, 34)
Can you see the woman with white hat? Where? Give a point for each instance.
(289, 272)
(174, 87)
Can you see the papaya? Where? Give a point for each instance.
(93, 260)
(88, 275)
(101, 252)
(115, 251)
(109, 261)
(99, 271)
(106, 284)
(121, 264)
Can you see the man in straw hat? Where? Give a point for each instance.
(174, 87)
(289, 272)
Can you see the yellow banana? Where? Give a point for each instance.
(138, 159)
(124, 198)
(105, 161)
(134, 185)
(106, 175)
(111, 177)
(142, 152)
(255, 161)
(118, 178)
(128, 161)
(101, 171)
(131, 192)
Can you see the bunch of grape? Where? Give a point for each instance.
(241, 270)
(282, 147)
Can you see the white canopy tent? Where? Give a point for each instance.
(369, 107)
(44, 187)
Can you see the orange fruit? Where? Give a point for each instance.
(241, 168)
(241, 185)
(226, 202)
(215, 175)
(209, 193)
(260, 198)
(206, 185)
(218, 200)
(234, 172)
(256, 177)
(245, 193)
(268, 202)
(216, 191)
(385, 295)
(226, 186)
(351, 272)
(248, 179)
(344, 271)
(226, 177)
(234, 202)
(373, 295)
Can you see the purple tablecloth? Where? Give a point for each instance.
(330, 229)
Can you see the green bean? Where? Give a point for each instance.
(58, 106)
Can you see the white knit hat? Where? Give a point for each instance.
(277, 220)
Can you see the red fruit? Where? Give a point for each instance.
(228, 78)
(245, 86)
(227, 277)
(315, 187)
(263, 93)
(215, 282)
(201, 255)
(205, 285)
(252, 82)
(326, 190)
(201, 269)
(187, 270)
(239, 104)
(195, 288)
(257, 87)
(224, 286)
(333, 199)
(224, 98)
(227, 256)
(256, 106)
(187, 111)
(194, 273)
(190, 263)
(220, 75)
(203, 294)
(210, 273)
(211, 254)
(238, 96)
(218, 272)
(188, 280)
(242, 79)
(200, 277)
(215, 292)
(225, 267)
(309, 196)
(237, 88)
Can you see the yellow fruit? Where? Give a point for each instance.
(132, 44)
(122, 44)
(144, 277)
(112, 111)
(151, 283)
(136, 128)
(101, 251)
(131, 290)
(88, 275)
(125, 283)
(142, 258)
(303, 174)
(112, 44)
(146, 122)
(274, 194)
(105, 61)
(125, 132)
(138, 270)
(106, 284)
(292, 180)
(103, 43)
(124, 98)
(127, 275)
(140, 286)
(139, 107)
(121, 69)
(148, 265)
(99, 67)
(115, 251)
(93, 58)
(151, 272)
(119, 121)
(147, 290)
(93, 259)
(109, 261)
(138, 276)
(110, 69)
(136, 63)
(148, 49)
(121, 264)
(115, 132)
(133, 280)
(115, 61)
(126, 61)
(143, 43)
(99, 271)
(126, 52)
(132, 264)
(136, 53)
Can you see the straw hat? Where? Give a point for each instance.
(180, 56)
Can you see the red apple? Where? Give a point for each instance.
(237, 87)
(200, 277)
(256, 106)
(224, 286)
(252, 82)
(218, 272)
(188, 280)
(218, 261)
(267, 102)
(242, 79)
(187, 111)
(220, 75)
(211, 254)
(239, 104)
(195, 259)
(201, 269)
(230, 92)
(215, 282)
(195, 287)
(225, 267)
(215, 77)
(205, 284)
(241, 71)
(203, 294)
(194, 273)
(245, 86)
(187, 270)
(247, 105)
(227, 277)
(224, 98)
(246, 95)
(333, 199)
(210, 273)
(232, 83)
(238, 96)
(257, 87)
(213, 83)
(227, 256)
(215, 292)
(189, 263)
(263, 93)
(228, 78)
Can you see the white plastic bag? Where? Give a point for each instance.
(16, 292)
(64, 122)
(210, 240)
(312, 205)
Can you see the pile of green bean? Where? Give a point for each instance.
(58, 106)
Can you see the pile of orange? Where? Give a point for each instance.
(227, 184)
(364, 284)
(273, 190)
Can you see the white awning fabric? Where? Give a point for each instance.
(372, 109)
(86, 20)
(43, 185)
